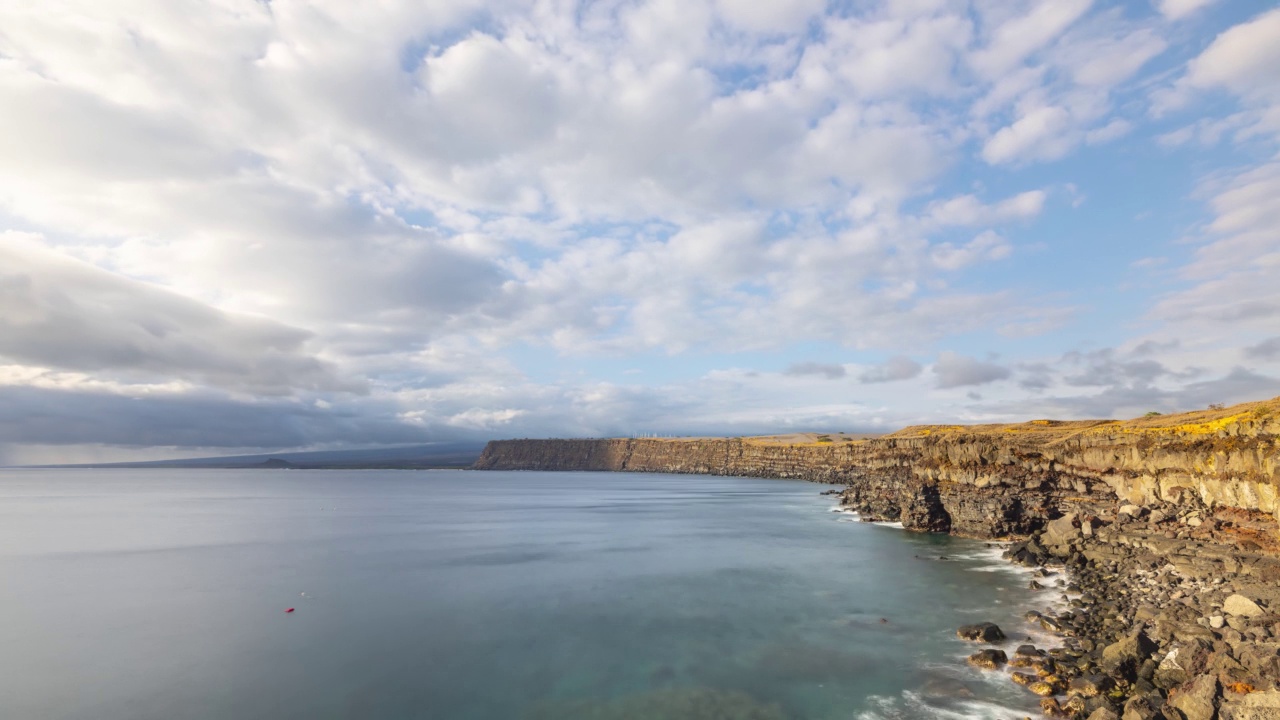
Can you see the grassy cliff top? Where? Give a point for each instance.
(1195, 422)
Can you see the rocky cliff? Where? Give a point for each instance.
(1167, 524)
(987, 480)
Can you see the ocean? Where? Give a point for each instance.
(457, 595)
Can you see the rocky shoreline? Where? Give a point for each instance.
(1168, 528)
(1163, 621)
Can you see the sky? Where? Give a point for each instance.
(231, 226)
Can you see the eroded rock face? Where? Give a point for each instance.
(1165, 528)
(989, 481)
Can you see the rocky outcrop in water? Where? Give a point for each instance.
(986, 480)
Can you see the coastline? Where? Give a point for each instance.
(1168, 527)
(1128, 634)
(1146, 627)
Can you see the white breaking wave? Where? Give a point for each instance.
(912, 706)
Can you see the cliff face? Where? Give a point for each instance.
(983, 480)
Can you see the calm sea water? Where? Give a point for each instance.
(475, 595)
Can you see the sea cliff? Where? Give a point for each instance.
(981, 480)
(1167, 526)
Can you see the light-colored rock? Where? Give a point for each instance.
(1104, 714)
(1216, 621)
(1242, 606)
(1195, 699)
(1061, 531)
(1127, 653)
(1254, 706)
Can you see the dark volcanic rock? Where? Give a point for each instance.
(981, 632)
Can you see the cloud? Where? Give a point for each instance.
(1242, 59)
(69, 417)
(830, 372)
(1268, 349)
(1115, 129)
(1012, 39)
(968, 210)
(769, 18)
(1232, 272)
(898, 367)
(954, 370)
(1038, 133)
(59, 312)
(1178, 9)
(987, 246)
(1102, 368)
(459, 219)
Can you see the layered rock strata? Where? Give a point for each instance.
(1167, 526)
(981, 480)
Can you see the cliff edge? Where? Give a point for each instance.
(987, 480)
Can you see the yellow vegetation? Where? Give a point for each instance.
(1199, 422)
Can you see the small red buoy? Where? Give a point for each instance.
(289, 610)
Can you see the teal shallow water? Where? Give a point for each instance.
(476, 595)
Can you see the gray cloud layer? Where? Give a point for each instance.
(898, 367)
(831, 372)
(955, 371)
(61, 313)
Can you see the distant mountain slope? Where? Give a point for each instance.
(432, 455)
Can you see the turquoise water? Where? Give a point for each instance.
(477, 595)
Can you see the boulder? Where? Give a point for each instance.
(1091, 685)
(1260, 658)
(1062, 531)
(1043, 688)
(981, 632)
(1024, 679)
(1139, 708)
(1254, 706)
(1050, 707)
(1172, 670)
(1104, 714)
(1195, 699)
(1241, 606)
(1074, 706)
(1126, 655)
(989, 659)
